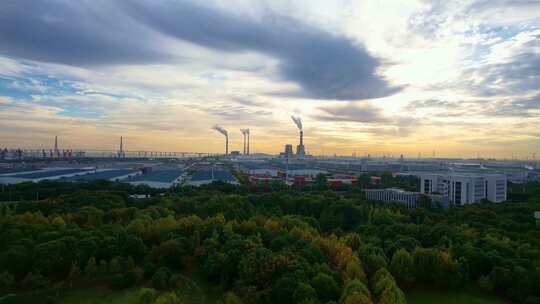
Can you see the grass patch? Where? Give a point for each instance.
(449, 297)
(97, 295)
(191, 288)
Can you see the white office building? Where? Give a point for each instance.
(393, 195)
(464, 188)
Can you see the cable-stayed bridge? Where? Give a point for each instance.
(14, 154)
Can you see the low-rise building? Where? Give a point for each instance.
(208, 176)
(264, 179)
(42, 174)
(103, 174)
(159, 179)
(341, 179)
(464, 188)
(409, 199)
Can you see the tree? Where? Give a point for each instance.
(425, 264)
(353, 240)
(170, 254)
(357, 298)
(257, 267)
(231, 298)
(374, 262)
(134, 247)
(74, 274)
(147, 295)
(321, 181)
(16, 260)
(304, 292)
(485, 284)
(326, 287)
(103, 267)
(381, 280)
(364, 180)
(129, 264)
(354, 271)
(58, 221)
(50, 259)
(35, 281)
(402, 267)
(283, 289)
(355, 292)
(387, 179)
(91, 269)
(115, 266)
(501, 277)
(392, 295)
(124, 280)
(167, 298)
(6, 280)
(160, 279)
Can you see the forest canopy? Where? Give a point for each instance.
(280, 246)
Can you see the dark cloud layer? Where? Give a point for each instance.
(82, 33)
(352, 113)
(72, 32)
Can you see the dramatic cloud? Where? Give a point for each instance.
(323, 64)
(402, 75)
(327, 66)
(73, 32)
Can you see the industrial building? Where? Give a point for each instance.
(41, 174)
(105, 174)
(406, 198)
(158, 178)
(300, 149)
(288, 151)
(208, 176)
(462, 188)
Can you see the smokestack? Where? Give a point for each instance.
(121, 151)
(56, 152)
(245, 132)
(248, 134)
(226, 134)
(300, 150)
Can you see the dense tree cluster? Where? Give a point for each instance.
(287, 246)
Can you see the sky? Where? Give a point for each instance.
(454, 78)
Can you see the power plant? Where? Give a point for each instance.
(56, 151)
(245, 133)
(121, 153)
(300, 149)
(248, 135)
(288, 151)
(226, 134)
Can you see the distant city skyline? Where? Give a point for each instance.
(461, 78)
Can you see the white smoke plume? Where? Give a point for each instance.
(221, 130)
(298, 121)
